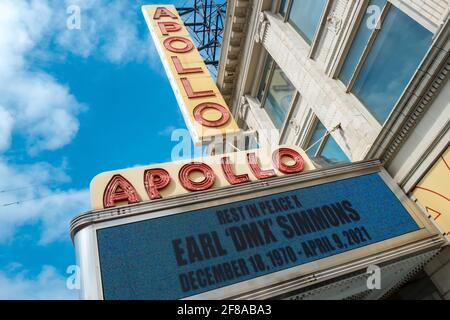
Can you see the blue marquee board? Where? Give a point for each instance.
(189, 253)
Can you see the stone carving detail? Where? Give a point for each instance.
(334, 22)
(335, 18)
(243, 107)
(295, 127)
(261, 28)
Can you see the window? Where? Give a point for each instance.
(304, 16)
(279, 98)
(283, 7)
(275, 93)
(359, 42)
(264, 78)
(389, 63)
(322, 146)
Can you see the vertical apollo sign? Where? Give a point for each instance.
(205, 111)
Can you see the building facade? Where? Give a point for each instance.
(328, 170)
(350, 80)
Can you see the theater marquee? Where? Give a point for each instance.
(205, 112)
(261, 239)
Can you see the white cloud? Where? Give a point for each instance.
(6, 125)
(35, 105)
(48, 285)
(52, 209)
(44, 110)
(22, 24)
(57, 210)
(109, 30)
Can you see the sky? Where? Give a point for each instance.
(73, 103)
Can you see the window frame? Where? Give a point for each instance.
(368, 46)
(269, 80)
(388, 6)
(278, 8)
(325, 138)
(266, 92)
(289, 114)
(319, 29)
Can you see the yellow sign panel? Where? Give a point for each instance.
(433, 192)
(147, 183)
(205, 112)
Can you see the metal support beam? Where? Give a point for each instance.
(205, 20)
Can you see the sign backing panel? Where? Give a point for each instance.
(239, 160)
(188, 76)
(433, 192)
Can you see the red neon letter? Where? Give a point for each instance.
(168, 26)
(256, 169)
(277, 158)
(188, 184)
(182, 70)
(229, 174)
(163, 12)
(155, 180)
(224, 114)
(188, 45)
(190, 92)
(119, 189)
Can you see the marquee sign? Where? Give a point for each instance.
(260, 239)
(203, 107)
(146, 183)
(184, 254)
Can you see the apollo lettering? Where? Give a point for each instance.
(119, 189)
(179, 45)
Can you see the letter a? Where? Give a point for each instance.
(119, 189)
(163, 12)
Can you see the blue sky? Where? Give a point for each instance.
(73, 103)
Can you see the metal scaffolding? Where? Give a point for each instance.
(205, 20)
